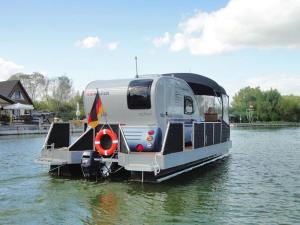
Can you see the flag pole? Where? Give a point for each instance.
(94, 129)
(94, 139)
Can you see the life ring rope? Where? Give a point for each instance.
(114, 140)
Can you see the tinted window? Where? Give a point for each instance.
(188, 105)
(218, 107)
(225, 108)
(139, 92)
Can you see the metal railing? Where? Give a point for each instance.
(209, 134)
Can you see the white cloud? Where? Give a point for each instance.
(8, 68)
(240, 24)
(160, 41)
(113, 45)
(88, 42)
(179, 42)
(285, 84)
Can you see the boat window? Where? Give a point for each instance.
(188, 105)
(225, 108)
(218, 107)
(139, 94)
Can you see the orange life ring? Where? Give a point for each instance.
(114, 142)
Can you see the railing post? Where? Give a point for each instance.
(205, 138)
(214, 133)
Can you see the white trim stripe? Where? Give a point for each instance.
(115, 141)
(191, 168)
(97, 142)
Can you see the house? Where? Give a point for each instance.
(11, 92)
(14, 90)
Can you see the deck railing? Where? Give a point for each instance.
(203, 134)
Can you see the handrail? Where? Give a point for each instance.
(165, 138)
(45, 147)
(121, 134)
(47, 137)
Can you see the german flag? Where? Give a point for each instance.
(96, 112)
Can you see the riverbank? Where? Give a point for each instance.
(21, 129)
(266, 124)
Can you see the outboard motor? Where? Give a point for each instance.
(90, 164)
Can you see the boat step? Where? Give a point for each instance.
(50, 161)
(139, 167)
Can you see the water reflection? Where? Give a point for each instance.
(132, 203)
(105, 209)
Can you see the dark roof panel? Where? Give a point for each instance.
(6, 99)
(200, 85)
(7, 86)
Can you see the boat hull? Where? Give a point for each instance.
(153, 168)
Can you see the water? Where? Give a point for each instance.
(259, 183)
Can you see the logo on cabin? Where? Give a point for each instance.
(94, 92)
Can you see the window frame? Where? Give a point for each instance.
(225, 107)
(185, 99)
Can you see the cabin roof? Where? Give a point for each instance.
(200, 85)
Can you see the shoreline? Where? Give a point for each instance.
(266, 124)
(31, 129)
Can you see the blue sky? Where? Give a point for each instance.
(237, 42)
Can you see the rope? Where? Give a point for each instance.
(156, 166)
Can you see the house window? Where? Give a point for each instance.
(188, 105)
(17, 95)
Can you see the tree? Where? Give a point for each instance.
(245, 100)
(63, 89)
(289, 108)
(52, 94)
(33, 83)
(268, 106)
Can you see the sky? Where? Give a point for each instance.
(238, 43)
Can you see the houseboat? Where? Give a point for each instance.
(152, 128)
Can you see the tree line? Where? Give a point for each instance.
(253, 104)
(248, 105)
(52, 94)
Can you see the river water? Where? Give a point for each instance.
(259, 183)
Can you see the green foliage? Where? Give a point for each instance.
(290, 108)
(65, 110)
(244, 99)
(268, 106)
(265, 105)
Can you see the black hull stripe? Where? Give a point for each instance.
(171, 171)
